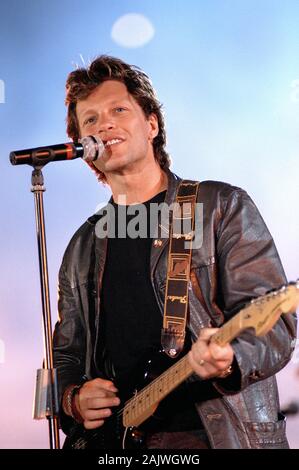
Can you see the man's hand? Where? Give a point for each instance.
(94, 400)
(208, 359)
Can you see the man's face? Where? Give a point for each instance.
(113, 114)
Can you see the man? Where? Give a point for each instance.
(112, 289)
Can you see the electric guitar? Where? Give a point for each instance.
(124, 428)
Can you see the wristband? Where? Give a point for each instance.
(69, 405)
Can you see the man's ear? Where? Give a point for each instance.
(154, 126)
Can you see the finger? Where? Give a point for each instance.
(96, 403)
(221, 352)
(206, 333)
(199, 353)
(93, 415)
(205, 365)
(93, 424)
(103, 383)
(205, 371)
(92, 389)
(199, 365)
(96, 394)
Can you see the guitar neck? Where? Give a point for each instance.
(142, 405)
(229, 330)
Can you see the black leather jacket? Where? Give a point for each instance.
(237, 261)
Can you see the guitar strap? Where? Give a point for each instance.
(182, 232)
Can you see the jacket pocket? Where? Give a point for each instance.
(268, 435)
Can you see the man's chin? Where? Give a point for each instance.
(109, 162)
(111, 166)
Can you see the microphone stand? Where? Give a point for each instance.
(89, 148)
(46, 395)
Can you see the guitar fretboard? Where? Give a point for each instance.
(141, 406)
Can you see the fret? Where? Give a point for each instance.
(229, 330)
(167, 382)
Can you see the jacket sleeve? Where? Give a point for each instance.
(249, 266)
(68, 342)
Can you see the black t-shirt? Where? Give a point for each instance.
(132, 319)
(130, 316)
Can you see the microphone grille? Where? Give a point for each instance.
(93, 148)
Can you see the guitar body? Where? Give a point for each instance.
(113, 435)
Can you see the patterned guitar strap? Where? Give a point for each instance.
(182, 233)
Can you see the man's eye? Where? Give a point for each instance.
(90, 120)
(119, 109)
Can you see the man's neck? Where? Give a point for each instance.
(139, 187)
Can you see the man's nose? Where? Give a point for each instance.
(106, 124)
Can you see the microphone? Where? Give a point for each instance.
(89, 148)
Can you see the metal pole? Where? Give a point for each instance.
(38, 189)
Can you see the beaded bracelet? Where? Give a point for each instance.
(69, 404)
(75, 412)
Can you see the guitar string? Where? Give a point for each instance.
(152, 384)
